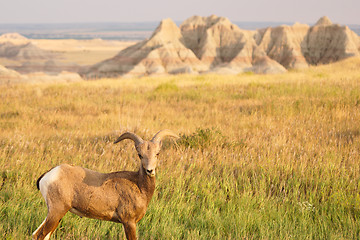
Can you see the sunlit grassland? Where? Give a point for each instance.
(260, 156)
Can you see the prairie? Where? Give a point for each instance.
(67, 52)
(260, 156)
(82, 52)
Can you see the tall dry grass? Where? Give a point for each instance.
(260, 156)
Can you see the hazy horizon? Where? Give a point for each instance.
(107, 11)
(111, 31)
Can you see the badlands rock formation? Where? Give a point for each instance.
(224, 47)
(13, 37)
(16, 46)
(164, 52)
(214, 44)
(327, 42)
(9, 76)
(299, 45)
(25, 56)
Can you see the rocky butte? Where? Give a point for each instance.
(215, 45)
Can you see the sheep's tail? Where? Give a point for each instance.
(39, 179)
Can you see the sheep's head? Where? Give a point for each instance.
(147, 150)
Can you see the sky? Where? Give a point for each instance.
(82, 11)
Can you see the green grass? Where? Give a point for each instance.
(260, 156)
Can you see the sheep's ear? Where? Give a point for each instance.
(129, 135)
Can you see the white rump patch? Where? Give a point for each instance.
(47, 179)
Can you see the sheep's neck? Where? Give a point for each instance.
(146, 184)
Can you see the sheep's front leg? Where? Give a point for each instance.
(130, 230)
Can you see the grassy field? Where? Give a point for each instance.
(260, 156)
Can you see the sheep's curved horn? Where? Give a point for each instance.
(130, 135)
(163, 133)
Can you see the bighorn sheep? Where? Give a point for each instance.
(121, 197)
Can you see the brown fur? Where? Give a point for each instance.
(121, 197)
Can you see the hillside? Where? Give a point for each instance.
(17, 47)
(9, 76)
(214, 44)
(53, 56)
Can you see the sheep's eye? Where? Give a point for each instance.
(139, 156)
(157, 154)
